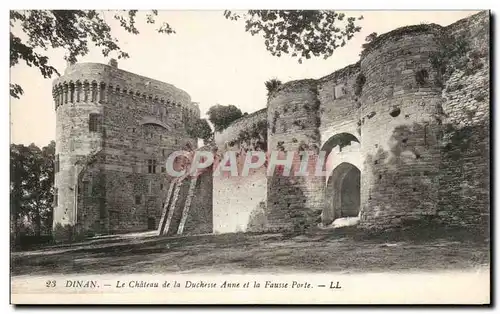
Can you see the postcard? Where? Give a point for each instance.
(250, 157)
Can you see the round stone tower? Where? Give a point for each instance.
(114, 130)
(400, 121)
(294, 202)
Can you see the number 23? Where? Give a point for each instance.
(50, 283)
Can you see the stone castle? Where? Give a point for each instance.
(408, 126)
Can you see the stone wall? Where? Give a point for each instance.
(339, 103)
(200, 218)
(138, 123)
(394, 104)
(222, 139)
(237, 199)
(293, 122)
(398, 127)
(416, 129)
(465, 145)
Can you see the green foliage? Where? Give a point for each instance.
(71, 30)
(272, 85)
(222, 116)
(200, 129)
(299, 33)
(31, 188)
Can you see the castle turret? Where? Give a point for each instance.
(400, 121)
(293, 120)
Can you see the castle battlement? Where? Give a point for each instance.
(83, 80)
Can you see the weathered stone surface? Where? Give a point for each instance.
(415, 140)
(399, 114)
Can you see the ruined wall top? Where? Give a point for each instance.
(242, 124)
(464, 25)
(117, 80)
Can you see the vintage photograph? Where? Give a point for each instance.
(250, 157)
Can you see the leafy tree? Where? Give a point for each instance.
(300, 33)
(31, 186)
(200, 129)
(46, 187)
(272, 85)
(71, 30)
(369, 39)
(18, 172)
(222, 116)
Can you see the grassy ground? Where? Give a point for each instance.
(342, 250)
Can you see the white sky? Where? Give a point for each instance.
(211, 58)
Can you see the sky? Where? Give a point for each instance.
(211, 58)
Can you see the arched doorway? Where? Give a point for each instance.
(342, 193)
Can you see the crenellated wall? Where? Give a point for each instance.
(109, 78)
(127, 121)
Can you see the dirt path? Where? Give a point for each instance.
(239, 253)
